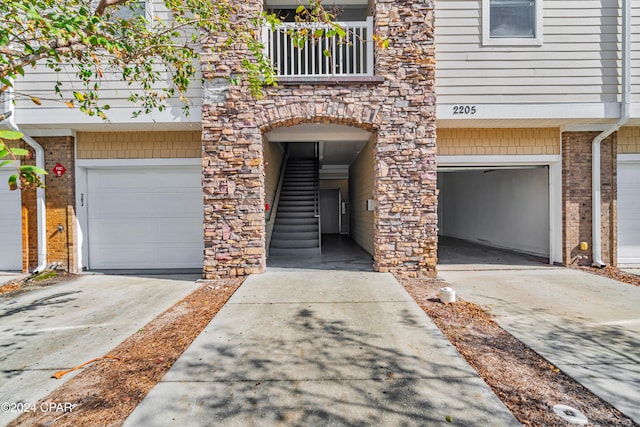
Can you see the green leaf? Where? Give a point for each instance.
(13, 182)
(5, 162)
(300, 9)
(10, 135)
(32, 169)
(19, 151)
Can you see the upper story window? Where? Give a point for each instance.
(512, 22)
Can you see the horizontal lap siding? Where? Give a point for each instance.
(577, 62)
(361, 185)
(635, 52)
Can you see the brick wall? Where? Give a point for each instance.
(139, 145)
(576, 197)
(400, 111)
(498, 141)
(60, 202)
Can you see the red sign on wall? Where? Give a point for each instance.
(59, 170)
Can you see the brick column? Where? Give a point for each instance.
(60, 204)
(576, 197)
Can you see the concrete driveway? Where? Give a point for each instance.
(319, 347)
(61, 326)
(586, 325)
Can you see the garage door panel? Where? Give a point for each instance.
(145, 218)
(10, 224)
(177, 205)
(178, 181)
(113, 232)
(117, 205)
(119, 257)
(177, 232)
(629, 213)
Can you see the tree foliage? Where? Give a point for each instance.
(26, 175)
(122, 37)
(128, 40)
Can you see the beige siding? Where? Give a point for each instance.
(361, 177)
(456, 142)
(273, 158)
(629, 140)
(138, 145)
(576, 63)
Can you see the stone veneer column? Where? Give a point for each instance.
(233, 175)
(576, 197)
(399, 108)
(405, 163)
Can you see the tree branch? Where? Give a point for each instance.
(5, 116)
(68, 46)
(104, 4)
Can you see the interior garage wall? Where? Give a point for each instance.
(361, 180)
(502, 208)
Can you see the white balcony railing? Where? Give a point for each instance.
(348, 56)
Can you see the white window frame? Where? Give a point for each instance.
(487, 40)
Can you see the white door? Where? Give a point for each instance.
(628, 213)
(145, 217)
(10, 224)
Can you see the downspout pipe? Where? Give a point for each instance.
(41, 206)
(596, 245)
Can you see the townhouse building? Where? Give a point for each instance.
(354, 143)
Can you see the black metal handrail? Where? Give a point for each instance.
(317, 192)
(276, 194)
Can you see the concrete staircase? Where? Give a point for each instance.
(297, 227)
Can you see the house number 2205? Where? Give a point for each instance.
(464, 109)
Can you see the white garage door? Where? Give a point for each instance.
(10, 224)
(145, 218)
(628, 213)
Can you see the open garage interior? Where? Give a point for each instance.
(628, 212)
(143, 217)
(10, 224)
(318, 180)
(504, 207)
